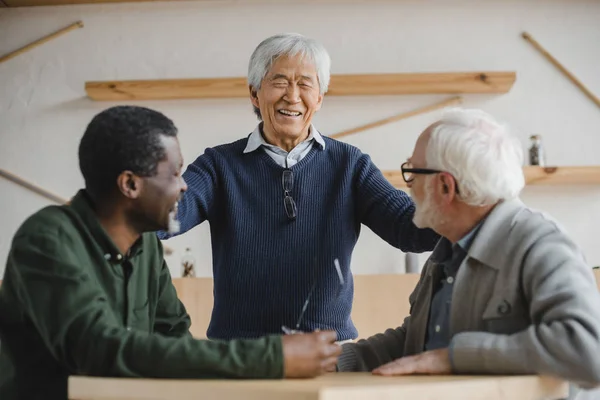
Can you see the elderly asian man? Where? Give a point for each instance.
(506, 290)
(284, 202)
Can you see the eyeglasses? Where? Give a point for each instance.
(289, 331)
(408, 172)
(287, 181)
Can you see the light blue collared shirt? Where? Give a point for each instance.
(282, 157)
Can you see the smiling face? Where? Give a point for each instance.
(156, 196)
(288, 98)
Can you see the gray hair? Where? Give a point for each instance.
(481, 154)
(290, 45)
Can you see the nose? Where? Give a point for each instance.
(292, 94)
(184, 186)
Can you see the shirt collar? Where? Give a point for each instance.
(256, 139)
(445, 249)
(83, 206)
(465, 241)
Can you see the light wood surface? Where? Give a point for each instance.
(564, 175)
(340, 386)
(380, 301)
(340, 85)
(41, 41)
(561, 68)
(399, 117)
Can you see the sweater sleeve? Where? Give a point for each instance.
(368, 354)
(388, 211)
(197, 202)
(379, 349)
(74, 319)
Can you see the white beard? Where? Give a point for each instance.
(426, 213)
(174, 225)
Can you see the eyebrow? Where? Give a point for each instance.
(282, 76)
(279, 76)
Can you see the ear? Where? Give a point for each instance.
(129, 184)
(320, 101)
(254, 96)
(448, 186)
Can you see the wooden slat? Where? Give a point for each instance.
(341, 85)
(39, 42)
(399, 117)
(595, 99)
(586, 175)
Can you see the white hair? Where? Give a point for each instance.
(481, 154)
(290, 45)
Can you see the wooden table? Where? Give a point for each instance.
(341, 386)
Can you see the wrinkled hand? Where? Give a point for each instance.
(435, 362)
(307, 355)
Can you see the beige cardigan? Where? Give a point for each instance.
(524, 302)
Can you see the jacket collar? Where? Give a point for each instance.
(82, 204)
(487, 246)
(484, 242)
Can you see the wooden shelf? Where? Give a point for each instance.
(340, 85)
(535, 176)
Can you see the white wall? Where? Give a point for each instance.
(44, 111)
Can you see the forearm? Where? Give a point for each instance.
(106, 351)
(561, 348)
(370, 353)
(74, 319)
(389, 212)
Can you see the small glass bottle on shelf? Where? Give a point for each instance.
(188, 264)
(537, 155)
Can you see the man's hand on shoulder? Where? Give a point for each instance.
(308, 355)
(435, 362)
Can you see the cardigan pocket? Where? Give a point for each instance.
(505, 313)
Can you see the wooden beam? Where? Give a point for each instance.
(341, 85)
(561, 68)
(33, 187)
(586, 175)
(399, 117)
(41, 41)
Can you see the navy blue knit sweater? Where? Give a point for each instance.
(264, 264)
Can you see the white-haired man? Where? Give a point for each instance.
(284, 202)
(505, 290)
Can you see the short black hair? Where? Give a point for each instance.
(122, 138)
